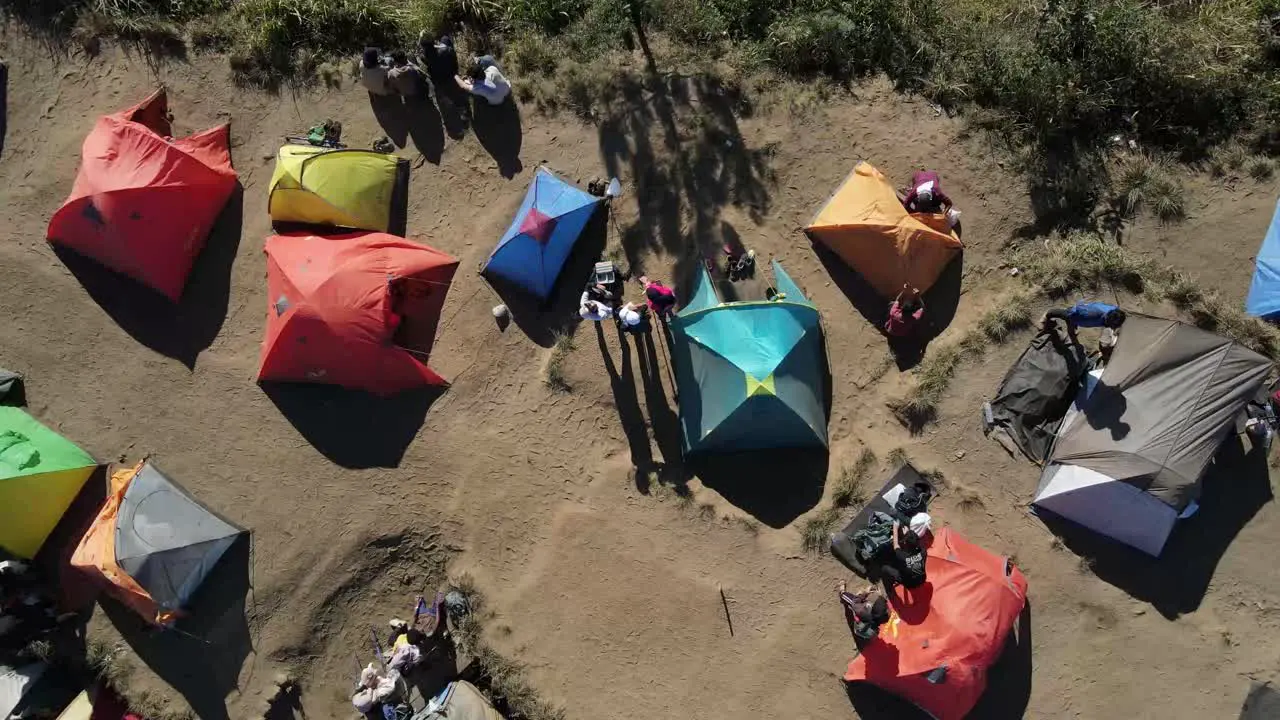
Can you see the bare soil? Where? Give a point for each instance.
(599, 555)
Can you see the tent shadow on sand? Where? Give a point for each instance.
(940, 301)
(542, 321)
(183, 330)
(202, 658)
(354, 428)
(774, 486)
(1006, 698)
(1236, 487)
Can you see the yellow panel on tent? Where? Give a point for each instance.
(865, 223)
(41, 473)
(343, 188)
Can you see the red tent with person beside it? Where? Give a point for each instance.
(942, 637)
(144, 202)
(358, 310)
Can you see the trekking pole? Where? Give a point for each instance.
(666, 356)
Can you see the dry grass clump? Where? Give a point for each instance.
(555, 371)
(850, 487)
(815, 534)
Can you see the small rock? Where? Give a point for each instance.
(1013, 272)
(1139, 611)
(959, 454)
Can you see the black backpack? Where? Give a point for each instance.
(875, 539)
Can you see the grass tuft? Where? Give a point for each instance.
(968, 498)
(919, 406)
(1262, 169)
(555, 371)
(850, 488)
(1144, 183)
(1010, 316)
(897, 457)
(815, 534)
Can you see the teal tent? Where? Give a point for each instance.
(751, 375)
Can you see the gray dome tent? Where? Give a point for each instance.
(1128, 456)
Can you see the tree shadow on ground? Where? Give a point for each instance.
(183, 330)
(202, 656)
(1006, 697)
(353, 428)
(678, 138)
(498, 129)
(1236, 486)
(774, 486)
(543, 320)
(941, 301)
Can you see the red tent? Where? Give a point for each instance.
(958, 620)
(357, 310)
(143, 202)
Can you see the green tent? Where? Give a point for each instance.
(41, 472)
(751, 375)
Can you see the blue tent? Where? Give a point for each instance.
(751, 375)
(1264, 293)
(533, 250)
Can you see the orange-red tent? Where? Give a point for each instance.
(144, 202)
(357, 310)
(957, 620)
(865, 223)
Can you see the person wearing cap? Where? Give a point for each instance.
(925, 194)
(1087, 315)
(865, 612)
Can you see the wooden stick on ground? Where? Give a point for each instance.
(725, 601)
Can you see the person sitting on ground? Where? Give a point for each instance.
(373, 72)
(905, 313)
(631, 318)
(909, 557)
(660, 298)
(865, 612)
(439, 58)
(925, 194)
(591, 310)
(404, 77)
(1087, 315)
(486, 80)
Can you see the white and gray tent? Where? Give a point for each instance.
(1129, 455)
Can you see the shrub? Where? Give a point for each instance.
(1143, 183)
(1083, 262)
(692, 21)
(549, 16)
(864, 37)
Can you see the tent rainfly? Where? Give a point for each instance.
(153, 544)
(865, 223)
(937, 656)
(358, 310)
(1129, 455)
(533, 250)
(1264, 292)
(41, 473)
(343, 188)
(751, 375)
(143, 202)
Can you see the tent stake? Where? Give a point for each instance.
(725, 601)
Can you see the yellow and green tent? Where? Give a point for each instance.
(41, 473)
(343, 188)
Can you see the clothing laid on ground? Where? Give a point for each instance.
(602, 311)
(1084, 314)
(899, 323)
(374, 79)
(406, 79)
(493, 88)
(925, 180)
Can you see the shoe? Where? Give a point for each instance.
(398, 624)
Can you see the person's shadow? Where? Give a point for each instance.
(1105, 410)
(425, 126)
(454, 104)
(666, 426)
(623, 384)
(498, 129)
(392, 117)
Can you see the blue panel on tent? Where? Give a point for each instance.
(528, 262)
(1264, 292)
(754, 336)
(786, 286)
(702, 295)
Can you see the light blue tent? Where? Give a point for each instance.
(533, 250)
(1264, 292)
(751, 375)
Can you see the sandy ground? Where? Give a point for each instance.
(598, 577)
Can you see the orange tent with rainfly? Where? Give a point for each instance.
(865, 223)
(143, 202)
(357, 310)
(153, 544)
(943, 636)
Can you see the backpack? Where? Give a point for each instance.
(913, 499)
(876, 538)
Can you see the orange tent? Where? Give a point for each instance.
(153, 544)
(144, 202)
(943, 636)
(865, 224)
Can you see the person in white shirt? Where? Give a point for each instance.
(591, 310)
(373, 73)
(487, 81)
(631, 317)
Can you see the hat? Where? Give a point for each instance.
(921, 523)
(924, 196)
